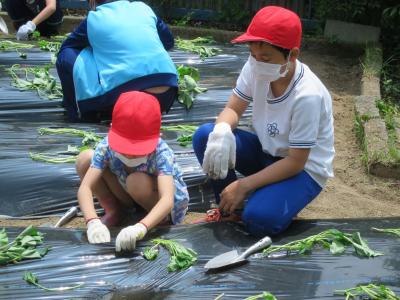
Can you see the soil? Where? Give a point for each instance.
(352, 193)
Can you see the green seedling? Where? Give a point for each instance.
(372, 291)
(53, 47)
(186, 133)
(35, 78)
(31, 278)
(197, 46)
(89, 141)
(395, 231)
(23, 247)
(188, 88)
(332, 239)
(181, 256)
(264, 295)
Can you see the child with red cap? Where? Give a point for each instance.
(132, 164)
(288, 159)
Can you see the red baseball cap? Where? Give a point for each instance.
(275, 25)
(136, 122)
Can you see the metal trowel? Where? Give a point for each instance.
(3, 26)
(231, 258)
(71, 213)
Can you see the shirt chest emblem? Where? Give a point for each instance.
(272, 129)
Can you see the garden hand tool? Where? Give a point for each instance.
(3, 26)
(71, 213)
(232, 258)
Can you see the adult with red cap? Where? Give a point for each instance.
(288, 159)
(131, 165)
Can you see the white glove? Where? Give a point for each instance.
(97, 232)
(25, 30)
(220, 154)
(126, 239)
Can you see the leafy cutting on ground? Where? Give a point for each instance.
(36, 78)
(53, 47)
(395, 231)
(23, 247)
(197, 46)
(89, 141)
(186, 133)
(31, 278)
(264, 295)
(370, 291)
(6, 45)
(332, 239)
(188, 88)
(181, 256)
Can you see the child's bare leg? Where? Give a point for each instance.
(143, 189)
(108, 191)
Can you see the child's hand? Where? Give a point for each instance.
(126, 239)
(97, 232)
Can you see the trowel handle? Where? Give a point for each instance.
(261, 244)
(67, 216)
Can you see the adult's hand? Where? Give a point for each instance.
(24, 31)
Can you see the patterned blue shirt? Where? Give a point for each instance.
(161, 162)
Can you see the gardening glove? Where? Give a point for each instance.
(126, 239)
(25, 30)
(220, 154)
(97, 232)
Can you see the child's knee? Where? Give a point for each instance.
(83, 161)
(139, 184)
(262, 222)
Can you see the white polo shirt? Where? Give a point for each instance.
(300, 118)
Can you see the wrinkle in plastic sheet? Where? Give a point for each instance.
(315, 276)
(32, 188)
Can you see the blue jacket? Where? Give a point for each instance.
(122, 42)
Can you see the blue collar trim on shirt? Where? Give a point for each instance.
(278, 100)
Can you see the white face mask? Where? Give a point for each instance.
(266, 71)
(131, 162)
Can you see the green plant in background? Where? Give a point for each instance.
(31, 278)
(35, 35)
(264, 295)
(186, 133)
(372, 291)
(197, 46)
(89, 141)
(6, 45)
(235, 13)
(181, 256)
(361, 138)
(23, 247)
(391, 114)
(53, 47)
(188, 88)
(35, 78)
(395, 231)
(184, 20)
(372, 61)
(332, 239)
